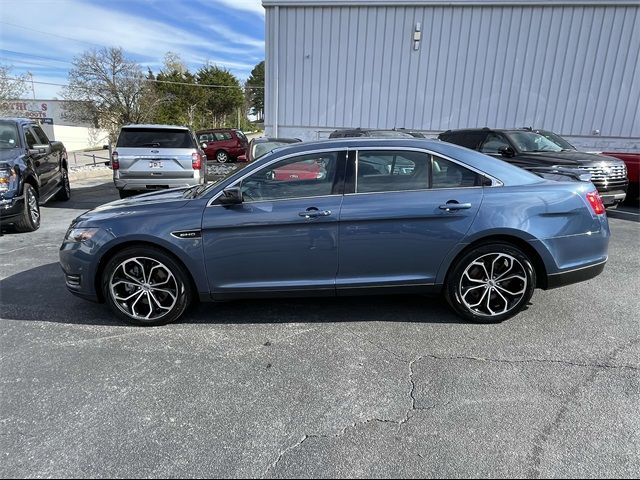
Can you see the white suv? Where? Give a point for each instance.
(154, 157)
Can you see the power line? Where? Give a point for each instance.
(151, 80)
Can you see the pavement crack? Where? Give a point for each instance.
(570, 400)
(533, 360)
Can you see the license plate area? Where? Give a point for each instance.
(156, 164)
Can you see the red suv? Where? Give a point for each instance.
(223, 144)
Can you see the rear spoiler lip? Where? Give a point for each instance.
(574, 173)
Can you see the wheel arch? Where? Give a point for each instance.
(531, 252)
(114, 249)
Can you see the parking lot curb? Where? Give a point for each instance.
(92, 172)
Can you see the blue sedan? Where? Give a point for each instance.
(343, 217)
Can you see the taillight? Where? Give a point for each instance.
(196, 161)
(115, 164)
(596, 202)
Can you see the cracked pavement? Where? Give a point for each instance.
(351, 387)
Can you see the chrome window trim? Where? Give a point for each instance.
(280, 200)
(494, 181)
(275, 160)
(417, 190)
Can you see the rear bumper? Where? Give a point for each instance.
(575, 275)
(156, 183)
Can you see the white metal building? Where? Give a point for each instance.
(568, 66)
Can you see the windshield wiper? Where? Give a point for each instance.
(152, 144)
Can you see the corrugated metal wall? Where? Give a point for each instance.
(571, 69)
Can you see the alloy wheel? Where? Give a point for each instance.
(222, 157)
(34, 210)
(493, 284)
(144, 288)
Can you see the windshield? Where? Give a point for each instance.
(155, 138)
(8, 135)
(215, 175)
(557, 139)
(532, 142)
(261, 149)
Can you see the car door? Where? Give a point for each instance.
(403, 211)
(39, 159)
(50, 161)
(284, 235)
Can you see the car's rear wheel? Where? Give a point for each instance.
(145, 286)
(222, 156)
(29, 221)
(491, 283)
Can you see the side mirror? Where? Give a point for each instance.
(37, 150)
(506, 152)
(231, 196)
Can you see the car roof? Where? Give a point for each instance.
(20, 120)
(217, 130)
(276, 139)
(487, 129)
(155, 125)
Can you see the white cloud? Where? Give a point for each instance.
(254, 6)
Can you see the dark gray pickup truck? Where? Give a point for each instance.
(33, 170)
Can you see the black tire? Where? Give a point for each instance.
(64, 193)
(126, 193)
(470, 281)
(222, 156)
(146, 258)
(30, 219)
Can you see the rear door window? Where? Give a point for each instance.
(494, 143)
(470, 140)
(391, 171)
(155, 138)
(448, 174)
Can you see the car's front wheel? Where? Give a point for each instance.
(145, 286)
(490, 283)
(29, 221)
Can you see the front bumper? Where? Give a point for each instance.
(11, 208)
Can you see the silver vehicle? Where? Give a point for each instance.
(155, 157)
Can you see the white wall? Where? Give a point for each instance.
(571, 67)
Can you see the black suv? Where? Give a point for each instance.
(375, 133)
(535, 151)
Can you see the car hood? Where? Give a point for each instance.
(9, 155)
(157, 202)
(568, 158)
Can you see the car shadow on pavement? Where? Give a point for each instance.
(39, 294)
(87, 197)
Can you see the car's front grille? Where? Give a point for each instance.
(607, 173)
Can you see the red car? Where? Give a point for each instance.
(305, 170)
(632, 160)
(223, 144)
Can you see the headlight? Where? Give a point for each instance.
(8, 180)
(80, 234)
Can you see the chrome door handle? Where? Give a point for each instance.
(315, 213)
(449, 207)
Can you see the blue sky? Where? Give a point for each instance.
(43, 36)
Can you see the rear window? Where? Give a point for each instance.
(155, 137)
(468, 139)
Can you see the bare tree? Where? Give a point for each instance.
(107, 89)
(11, 87)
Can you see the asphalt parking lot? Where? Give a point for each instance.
(373, 387)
